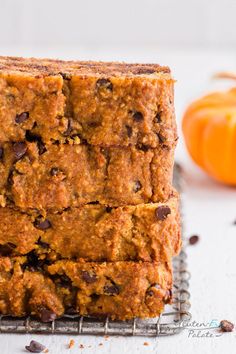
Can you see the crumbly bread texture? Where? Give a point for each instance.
(89, 217)
(121, 290)
(61, 176)
(148, 232)
(102, 103)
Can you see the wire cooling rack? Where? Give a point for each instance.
(172, 321)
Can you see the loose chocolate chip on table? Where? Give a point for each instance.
(111, 289)
(193, 239)
(19, 149)
(129, 130)
(226, 326)
(162, 212)
(35, 347)
(42, 224)
(137, 186)
(104, 83)
(47, 315)
(55, 171)
(20, 118)
(88, 277)
(1, 153)
(138, 116)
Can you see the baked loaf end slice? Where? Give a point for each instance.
(147, 232)
(103, 103)
(64, 175)
(121, 290)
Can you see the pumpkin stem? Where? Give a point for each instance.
(225, 75)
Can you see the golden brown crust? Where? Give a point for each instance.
(122, 290)
(103, 103)
(67, 175)
(94, 233)
(52, 67)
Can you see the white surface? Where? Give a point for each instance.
(210, 210)
(106, 22)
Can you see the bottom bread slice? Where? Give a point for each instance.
(121, 290)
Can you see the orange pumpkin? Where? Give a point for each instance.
(209, 127)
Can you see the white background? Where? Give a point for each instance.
(196, 39)
(207, 23)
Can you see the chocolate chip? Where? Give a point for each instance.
(129, 130)
(42, 224)
(71, 311)
(65, 76)
(158, 117)
(88, 277)
(10, 178)
(55, 171)
(137, 186)
(108, 209)
(19, 149)
(161, 138)
(104, 83)
(150, 292)
(111, 289)
(193, 239)
(226, 326)
(143, 147)
(7, 249)
(162, 212)
(1, 153)
(95, 297)
(44, 245)
(20, 118)
(47, 315)
(35, 347)
(65, 280)
(41, 147)
(138, 116)
(168, 296)
(36, 138)
(234, 223)
(69, 127)
(33, 264)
